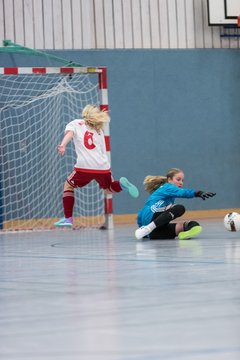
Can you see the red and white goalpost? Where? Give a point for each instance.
(102, 76)
(35, 105)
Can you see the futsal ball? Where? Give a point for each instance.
(232, 221)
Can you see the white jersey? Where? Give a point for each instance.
(90, 147)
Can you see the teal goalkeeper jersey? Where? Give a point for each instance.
(165, 195)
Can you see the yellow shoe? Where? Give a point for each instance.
(194, 231)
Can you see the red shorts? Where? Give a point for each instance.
(105, 180)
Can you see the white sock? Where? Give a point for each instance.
(152, 226)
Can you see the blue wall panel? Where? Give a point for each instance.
(172, 108)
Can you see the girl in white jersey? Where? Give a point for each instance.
(92, 160)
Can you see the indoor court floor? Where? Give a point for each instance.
(102, 295)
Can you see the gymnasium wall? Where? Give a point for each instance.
(171, 108)
(111, 24)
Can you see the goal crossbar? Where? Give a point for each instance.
(52, 70)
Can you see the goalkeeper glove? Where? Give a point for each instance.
(204, 194)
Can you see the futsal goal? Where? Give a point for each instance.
(36, 103)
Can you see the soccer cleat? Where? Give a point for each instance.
(64, 222)
(194, 231)
(142, 232)
(130, 188)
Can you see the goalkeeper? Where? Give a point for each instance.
(92, 160)
(155, 218)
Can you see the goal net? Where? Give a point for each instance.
(35, 106)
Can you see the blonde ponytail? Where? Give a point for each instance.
(152, 183)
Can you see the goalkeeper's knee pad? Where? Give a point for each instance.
(166, 216)
(187, 225)
(177, 210)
